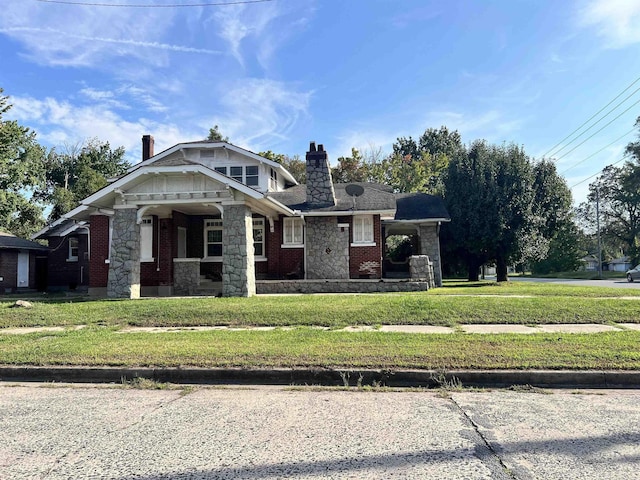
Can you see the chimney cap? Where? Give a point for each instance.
(312, 146)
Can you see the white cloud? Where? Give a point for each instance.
(491, 125)
(616, 21)
(87, 35)
(238, 25)
(260, 112)
(60, 122)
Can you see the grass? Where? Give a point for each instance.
(516, 303)
(458, 303)
(310, 348)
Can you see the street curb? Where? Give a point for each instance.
(329, 377)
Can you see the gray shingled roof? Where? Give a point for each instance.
(413, 206)
(11, 242)
(376, 197)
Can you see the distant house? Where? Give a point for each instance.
(621, 264)
(589, 263)
(22, 264)
(211, 215)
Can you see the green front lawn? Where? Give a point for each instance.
(515, 303)
(302, 346)
(306, 347)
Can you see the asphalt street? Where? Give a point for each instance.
(611, 282)
(53, 432)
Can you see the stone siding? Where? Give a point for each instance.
(421, 269)
(238, 269)
(327, 248)
(124, 262)
(430, 246)
(186, 276)
(320, 191)
(339, 286)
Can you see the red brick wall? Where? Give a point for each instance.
(8, 269)
(282, 261)
(369, 257)
(98, 269)
(62, 273)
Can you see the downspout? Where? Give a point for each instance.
(158, 247)
(304, 246)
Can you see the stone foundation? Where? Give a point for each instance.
(339, 286)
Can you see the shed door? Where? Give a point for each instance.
(23, 269)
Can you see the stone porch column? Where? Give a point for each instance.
(124, 261)
(238, 268)
(430, 245)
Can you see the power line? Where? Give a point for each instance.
(595, 133)
(148, 5)
(599, 120)
(597, 173)
(595, 153)
(593, 116)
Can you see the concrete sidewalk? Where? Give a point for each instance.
(336, 377)
(418, 329)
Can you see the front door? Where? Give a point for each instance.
(23, 270)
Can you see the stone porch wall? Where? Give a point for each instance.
(430, 246)
(339, 286)
(186, 275)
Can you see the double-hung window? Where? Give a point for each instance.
(258, 237)
(293, 230)
(222, 170)
(73, 249)
(213, 238)
(363, 229)
(236, 173)
(146, 239)
(251, 175)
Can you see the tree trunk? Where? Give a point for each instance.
(473, 266)
(501, 269)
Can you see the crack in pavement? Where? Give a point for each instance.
(489, 450)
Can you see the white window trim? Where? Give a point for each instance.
(368, 237)
(147, 223)
(73, 258)
(364, 244)
(292, 221)
(261, 224)
(205, 257)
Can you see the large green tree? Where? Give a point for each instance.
(617, 190)
(79, 171)
(489, 195)
(22, 169)
(553, 218)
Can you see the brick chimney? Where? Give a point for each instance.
(147, 147)
(320, 191)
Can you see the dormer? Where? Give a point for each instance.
(238, 164)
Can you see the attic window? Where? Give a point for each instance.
(252, 175)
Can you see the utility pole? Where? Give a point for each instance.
(598, 229)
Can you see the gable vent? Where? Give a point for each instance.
(207, 153)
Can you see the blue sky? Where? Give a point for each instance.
(346, 73)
